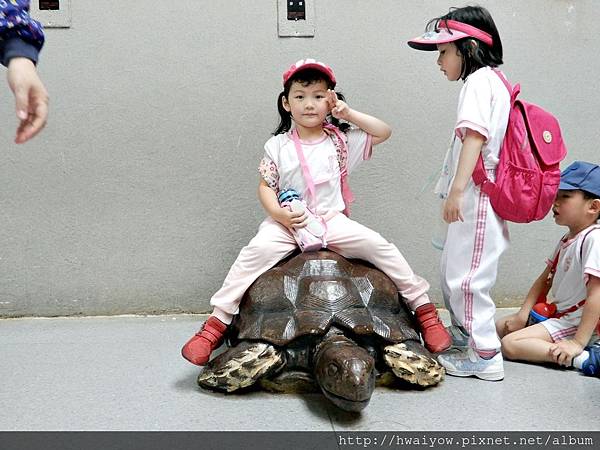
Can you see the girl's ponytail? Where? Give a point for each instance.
(285, 118)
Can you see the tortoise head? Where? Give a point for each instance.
(345, 372)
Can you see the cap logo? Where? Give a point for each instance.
(547, 137)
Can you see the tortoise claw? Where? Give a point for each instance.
(416, 368)
(241, 366)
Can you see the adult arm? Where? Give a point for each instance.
(21, 36)
(21, 41)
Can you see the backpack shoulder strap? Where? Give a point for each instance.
(504, 80)
(341, 146)
(479, 174)
(597, 227)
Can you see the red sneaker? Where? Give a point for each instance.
(434, 333)
(198, 349)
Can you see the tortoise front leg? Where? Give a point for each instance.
(410, 361)
(241, 366)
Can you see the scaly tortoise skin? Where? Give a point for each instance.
(319, 319)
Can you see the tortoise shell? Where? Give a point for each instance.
(312, 291)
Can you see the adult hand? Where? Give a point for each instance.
(564, 351)
(452, 207)
(31, 98)
(339, 109)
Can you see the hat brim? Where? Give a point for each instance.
(566, 186)
(430, 40)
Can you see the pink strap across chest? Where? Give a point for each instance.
(347, 195)
(308, 179)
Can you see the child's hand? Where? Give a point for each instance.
(512, 323)
(291, 219)
(339, 109)
(563, 352)
(452, 207)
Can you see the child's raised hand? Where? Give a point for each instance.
(291, 219)
(564, 351)
(339, 109)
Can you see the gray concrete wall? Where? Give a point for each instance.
(142, 189)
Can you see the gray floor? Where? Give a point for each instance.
(126, 373)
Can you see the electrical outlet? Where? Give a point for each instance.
(296, 10)
(296, 18)
(51, 13)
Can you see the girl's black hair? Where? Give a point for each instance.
(306, 78)
(481, 55)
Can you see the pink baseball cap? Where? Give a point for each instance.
(309, 63)
(447, 30)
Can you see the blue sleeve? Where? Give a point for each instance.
(20, 35)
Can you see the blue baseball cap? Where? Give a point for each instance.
(581, 175)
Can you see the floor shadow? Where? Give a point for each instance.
(187, 382)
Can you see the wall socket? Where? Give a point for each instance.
(51, 13)
(296, 18)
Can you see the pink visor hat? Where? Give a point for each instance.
(447, 30)
(308, 63)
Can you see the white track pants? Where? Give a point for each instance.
(469, 267)
(350, 239)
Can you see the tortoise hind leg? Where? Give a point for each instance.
(411, 362)
(241, 366)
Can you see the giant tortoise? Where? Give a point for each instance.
(319, 318)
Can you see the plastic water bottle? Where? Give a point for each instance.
(311, 237)
(438, 240)
(541, 311)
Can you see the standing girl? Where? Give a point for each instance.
(470, 50)
(307, 158)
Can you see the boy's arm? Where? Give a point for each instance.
(518, 320)
(591, 312)
(284, 216)
(469, 154)
(538, 286)
(377, 128)
(564, 351)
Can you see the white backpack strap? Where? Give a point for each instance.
(597, 227)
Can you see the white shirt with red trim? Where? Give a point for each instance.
(322, 160)
(483, 106)
(579, 259)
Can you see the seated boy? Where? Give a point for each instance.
(573, 273)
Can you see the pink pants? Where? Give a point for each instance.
(346, 237)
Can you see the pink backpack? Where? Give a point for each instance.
(528, 174)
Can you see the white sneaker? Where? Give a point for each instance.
(465, 362)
